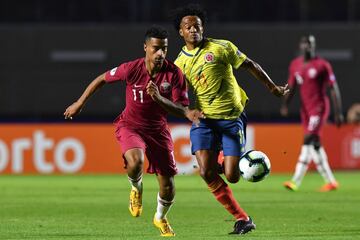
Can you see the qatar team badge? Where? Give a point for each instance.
(312, 72)
(209, 57)
(165, 87)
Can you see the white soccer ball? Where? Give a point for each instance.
(254, 166)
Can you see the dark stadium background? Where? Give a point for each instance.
(50, 50)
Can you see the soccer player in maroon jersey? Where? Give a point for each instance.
(154, 86)
(312, 75)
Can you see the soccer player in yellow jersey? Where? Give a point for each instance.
(208, 67)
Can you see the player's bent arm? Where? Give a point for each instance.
(175, 109)
(76, 107)
(336, 99)
(255, 69)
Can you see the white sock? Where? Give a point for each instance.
(302, 164)
(322, 164)
(136, 183)
(163, 207)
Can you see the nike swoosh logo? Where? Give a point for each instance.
(137, 85)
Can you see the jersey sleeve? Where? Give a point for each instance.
(233, 55)
(117, 74)
(179, 91)
(329, 74)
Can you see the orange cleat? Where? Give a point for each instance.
(290, 185)
(329, 187)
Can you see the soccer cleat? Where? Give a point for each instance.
(329, 187)
(290, 185)
(164, 227)
(242, 226)
(135, 203)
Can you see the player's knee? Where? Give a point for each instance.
(232, 177)
(135, 162)
(207, 174)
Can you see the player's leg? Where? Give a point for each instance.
(165, 200)
(318, 153)
(322, 165)
(133, 147)
(161, 162)
(204, 145)
(304, 158)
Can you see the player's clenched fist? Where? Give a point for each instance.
(153, 90)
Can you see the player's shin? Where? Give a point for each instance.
(322, 165)
(302, 164)
(163, 207)
(136, 182)
(224, 195)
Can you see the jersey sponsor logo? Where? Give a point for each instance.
(312, 72)
(165, 87)
(113, 71)
(209, 57)
(135, 85)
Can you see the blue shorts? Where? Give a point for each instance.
(217, 135)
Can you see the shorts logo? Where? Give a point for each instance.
(209, 57)
(312, 72)
(113, 71)
(165, 87)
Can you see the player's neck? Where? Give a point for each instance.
(152, 69)
(191, 46)
(308, 57)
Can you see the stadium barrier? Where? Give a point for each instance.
(92, 148)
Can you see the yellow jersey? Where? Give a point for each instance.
(209, 71)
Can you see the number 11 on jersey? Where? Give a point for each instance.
(141, 94)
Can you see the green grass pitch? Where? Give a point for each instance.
(96, 207)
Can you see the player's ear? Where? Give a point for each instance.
(181, 32)
(145, 46)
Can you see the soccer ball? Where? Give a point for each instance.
(254, 166)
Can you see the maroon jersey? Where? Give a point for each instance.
(141, 111)
(312, 78)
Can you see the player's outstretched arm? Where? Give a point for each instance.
(255, 69)
(175, 109)
(76, 107)
(336, 99)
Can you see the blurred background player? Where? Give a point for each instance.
(312, 74)
(142, 128)
(208, 66)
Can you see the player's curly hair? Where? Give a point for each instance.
(156, 31)
(189, 10)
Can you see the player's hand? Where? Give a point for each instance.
(153, 90)
(281, 91)
(339, 119)
(72, 110)
(284, 111)
(194, 115)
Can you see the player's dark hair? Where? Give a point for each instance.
(156, 31)
(189, 10)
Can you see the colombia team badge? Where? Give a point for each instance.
(209, 57)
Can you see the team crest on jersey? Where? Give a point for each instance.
(165, 87)
(312, 72)
(209, 57)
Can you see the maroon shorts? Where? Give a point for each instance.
(313, 121)
(158, 148)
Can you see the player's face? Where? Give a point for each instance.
(191, 29)
(156, 50)
(307, 45)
